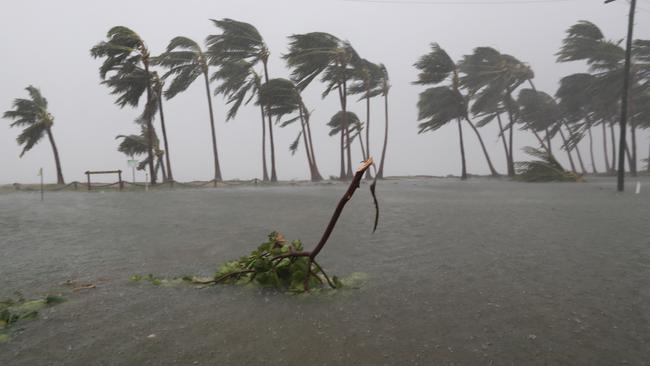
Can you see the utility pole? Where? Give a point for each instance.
(624, 97)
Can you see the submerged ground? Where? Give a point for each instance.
(484, 272)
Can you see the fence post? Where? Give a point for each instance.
(88, 179)
(119, 175)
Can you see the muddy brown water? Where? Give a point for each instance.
(484, 272)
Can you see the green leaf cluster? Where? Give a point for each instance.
(13, 311)
(263, 267)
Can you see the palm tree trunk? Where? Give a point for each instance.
(541, 142)
(629, 156)
(548, 139)
(505, 144)
(149, 128)
(613, 135)
(367, 154)
(57, 161)
(162, 167)
(634, 159)
(363, 148)
(463, 174)
(607, 167)
(274, 176)
(648, 166)
(380, 171)
(169, 176)
(348, 148)
(342, 173)
(591, 151)
(493, 171)
(310, 161)
(511, 162)
(217, 168)
(265, 174)
(568, 150)
(582, 164)
(317, 176)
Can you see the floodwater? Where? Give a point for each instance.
(484, 272)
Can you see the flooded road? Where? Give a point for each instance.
(458, 273)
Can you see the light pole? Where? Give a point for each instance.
(624, 97)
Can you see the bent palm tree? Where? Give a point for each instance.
(540, 112)
(32, 114)
(322, 54)
(239, 85)
(435, 68)
(122, 52)
(437, 107)
(490, 78)
(241, 42)
(283, 98)
(135, 145)
(385, 88)
(368, 83)
(186, 62)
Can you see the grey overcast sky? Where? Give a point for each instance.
(46, 43)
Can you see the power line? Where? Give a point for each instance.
(490, 2)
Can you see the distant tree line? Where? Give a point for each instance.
(484, 87)
(488, 86)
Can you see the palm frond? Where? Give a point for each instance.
(545, 169)
(438, 106)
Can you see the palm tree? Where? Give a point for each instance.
(322, 54)
(350, 121)
(437, 107)
(491, 78)
(368, 82)
(582, 105)
(239, 85)
(157, 89)
(238, 42)
(540, 112)
(282, 98)
(385, 88)
(135, 145)
(33, 114)
(435, 68)
(122, 52)
(606, 58)
(186, 62)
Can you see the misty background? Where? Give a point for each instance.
(47, 43)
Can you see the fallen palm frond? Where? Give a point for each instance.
(545, 169)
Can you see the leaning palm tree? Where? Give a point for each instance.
(491, 78)
(283, 98)
(540, 112)
(122, 52)
(33, 114)
(368, 82)
(435, 68)
(239, 42)
(240, 84)
(385, 88)
(321, 54)
(439, 106)
(186, 62)
(136, 145)
(351, 122)
(585, 42)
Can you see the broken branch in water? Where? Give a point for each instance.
(279, 264)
